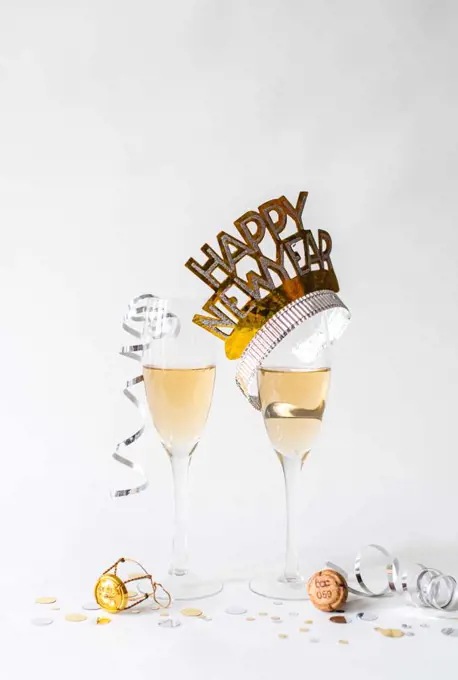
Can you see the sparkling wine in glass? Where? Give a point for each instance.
(293, 386)
(179, 376)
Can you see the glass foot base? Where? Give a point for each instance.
(190, 587)
(275, 587)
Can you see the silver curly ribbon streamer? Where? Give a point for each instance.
(431, 587)
(159, 325)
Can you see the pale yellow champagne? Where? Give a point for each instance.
(293, 402)
(179, 401)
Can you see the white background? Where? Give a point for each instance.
(130, 133)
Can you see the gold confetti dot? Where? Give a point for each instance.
(76, 618)
(164, 614)
(304, 630)
(262, 613)
(282, 636)
(55, 609)
(390, 632)
(343, 642)
(275, 618)
(308, 621)
(45, 600)
(191, 611)
(250, 618)
(102, 621)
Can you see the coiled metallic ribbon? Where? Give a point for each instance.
(431, 588)
(160, 324)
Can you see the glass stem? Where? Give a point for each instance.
(180, 469)
(291, 470)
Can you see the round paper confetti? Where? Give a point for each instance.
(294, 613)
(103, 620)
(250, 618)
(170, 623)
(167, 614)
(343, 642)
(191, 611)
(450, 632)
(405, 625)
(45, 600)
(279, 620)
(262, 614)
(236, 609)
(409, 633)
(366, 616)
(390, 632)
(55, 609)
(41, 622)
(75, 618)
(308, 621)
(278, 602)
(314, 640)
(275, 618)
(340, 619)
(304, 630)
(282, 636)
(424, 625)
(91, 606)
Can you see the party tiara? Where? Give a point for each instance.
(289, 286)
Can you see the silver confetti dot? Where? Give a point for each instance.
(278, 602)
(424, 625)
(277, 621)
(451, 632)
(294, 613)
(91, 606)
(314, 640)
(236, 610)
(169, 623)
(405, 625)
(366, 616)
(41, 621)
(409, 633)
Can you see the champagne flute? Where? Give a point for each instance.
(293, 385)
(179, 375)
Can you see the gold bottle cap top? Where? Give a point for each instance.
(327, 590)
(111, 593)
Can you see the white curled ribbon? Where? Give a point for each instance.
(160, 324)
(431, 587)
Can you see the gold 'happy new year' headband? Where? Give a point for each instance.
(252, 313)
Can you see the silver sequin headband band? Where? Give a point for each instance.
(280, 325)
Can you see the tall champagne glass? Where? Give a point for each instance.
(179, 375)
(293, 385)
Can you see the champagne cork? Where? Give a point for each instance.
(327, 590)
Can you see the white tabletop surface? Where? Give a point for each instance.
(227, 646)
